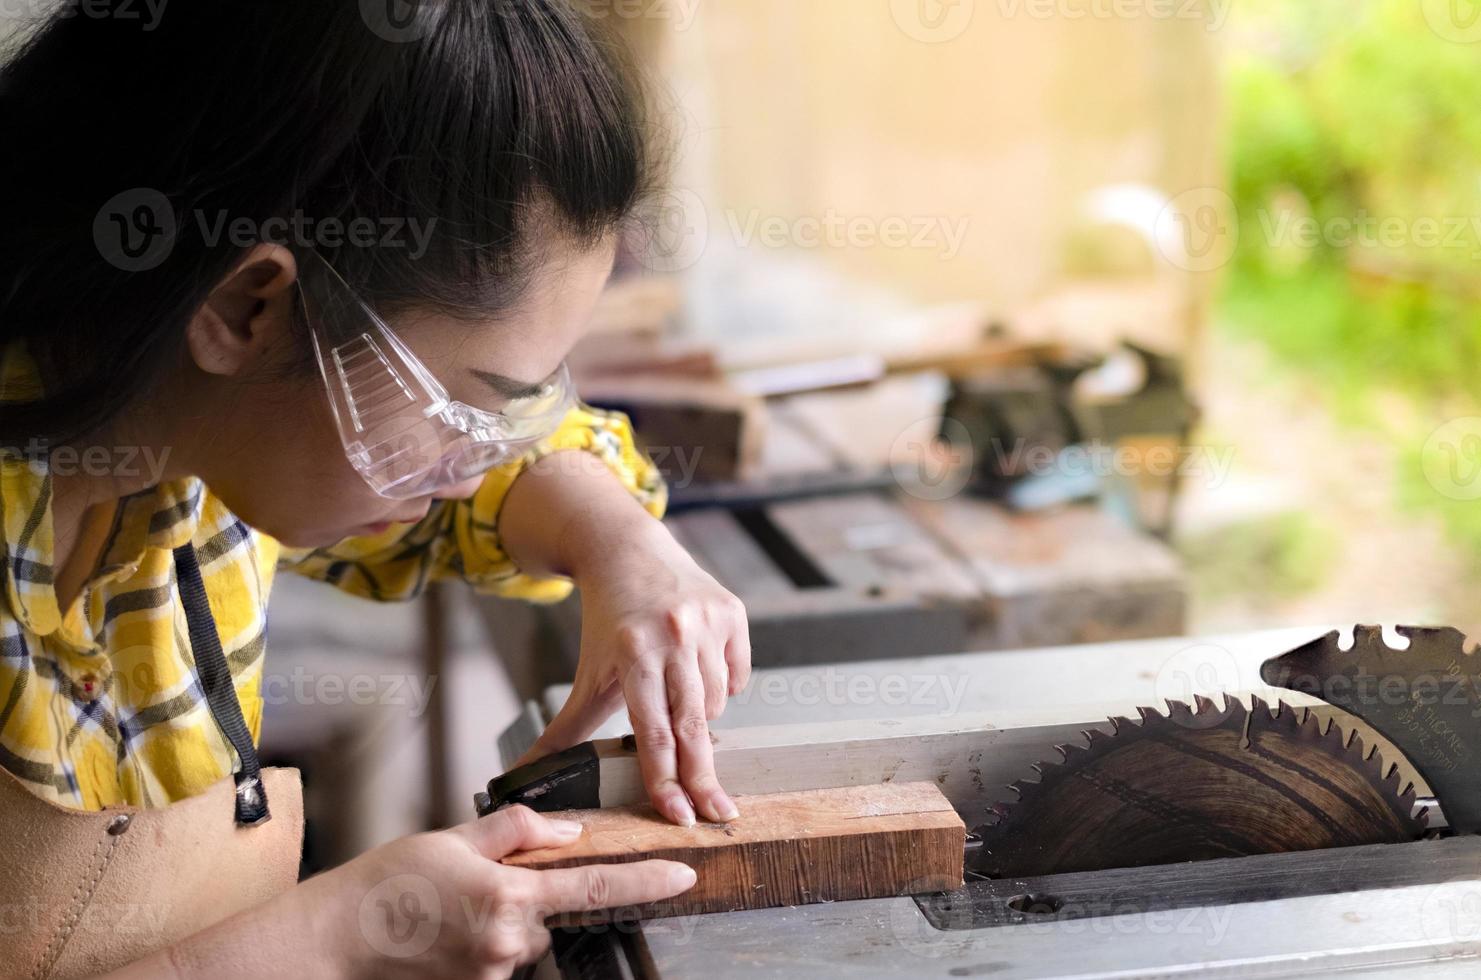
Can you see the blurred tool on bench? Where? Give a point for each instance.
(894, 500)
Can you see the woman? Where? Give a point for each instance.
(289, 285)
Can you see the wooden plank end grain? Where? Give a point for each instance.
(828, 845)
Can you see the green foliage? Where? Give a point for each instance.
(1358, 111)
(1270, 559)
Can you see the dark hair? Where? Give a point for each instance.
(491, 121)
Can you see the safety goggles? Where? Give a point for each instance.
(401, 431)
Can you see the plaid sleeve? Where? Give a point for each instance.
(460, 539)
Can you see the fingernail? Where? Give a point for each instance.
(566, 828)
(682, 877)
(682, 812)
(724, 807)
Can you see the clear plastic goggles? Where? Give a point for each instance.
(401, 431)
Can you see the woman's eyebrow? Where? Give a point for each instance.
(507, 386)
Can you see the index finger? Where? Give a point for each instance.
(648, 709)
(613, 886)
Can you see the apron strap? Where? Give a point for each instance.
(221, 692)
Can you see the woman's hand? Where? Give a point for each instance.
(662, 634)
(656, 630)
(431, 905)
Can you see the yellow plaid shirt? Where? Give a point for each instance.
(100, 703)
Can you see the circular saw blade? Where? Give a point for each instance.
(1195, 784)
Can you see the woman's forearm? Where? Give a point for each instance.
(565, 512)
(288, 934)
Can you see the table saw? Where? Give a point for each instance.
(1286, 803)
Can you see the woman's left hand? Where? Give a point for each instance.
(661, 633)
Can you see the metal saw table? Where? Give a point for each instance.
(973, 723)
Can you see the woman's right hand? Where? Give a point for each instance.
(431, 905)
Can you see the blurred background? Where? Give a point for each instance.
(990, 324)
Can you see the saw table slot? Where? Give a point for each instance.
(782, 550)
(990, 903)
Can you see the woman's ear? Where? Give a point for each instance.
(247, 314)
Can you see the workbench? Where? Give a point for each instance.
(973, 722)
(887, 575)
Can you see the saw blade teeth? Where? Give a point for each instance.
(1069, 750)
(1075, 779)
(1340, 740)
(1179, 711)
(1286, 716)
(1259, 705)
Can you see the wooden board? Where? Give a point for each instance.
(799, 848)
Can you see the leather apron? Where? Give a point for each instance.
(84, 892)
